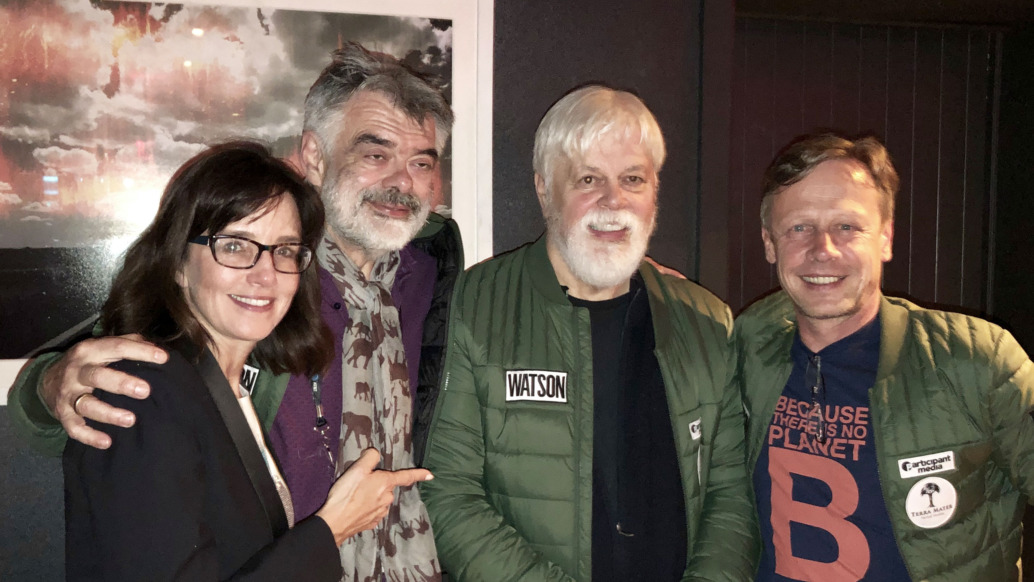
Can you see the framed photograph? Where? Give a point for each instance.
(101, 101)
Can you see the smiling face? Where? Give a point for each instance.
(239, 307)
(829, 242)
(600, 212)
(378, 178)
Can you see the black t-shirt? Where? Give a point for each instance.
(639, 515)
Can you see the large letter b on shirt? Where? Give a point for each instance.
(853, 550)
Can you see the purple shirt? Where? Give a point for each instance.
(304, 459)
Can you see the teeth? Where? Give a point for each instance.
(820, 280)
(609, 227)
(250, 301)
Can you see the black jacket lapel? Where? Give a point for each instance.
(240, 431)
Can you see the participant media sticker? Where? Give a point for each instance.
(927, 465)
(931, 502)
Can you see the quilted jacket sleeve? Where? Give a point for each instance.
(727, 545)
(1010, 404)
(29, 416)
(474, 542)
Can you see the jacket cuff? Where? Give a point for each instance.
(326, 557)
(29, 415)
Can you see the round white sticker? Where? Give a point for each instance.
(931, 502)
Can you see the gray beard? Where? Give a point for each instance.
(358, 225)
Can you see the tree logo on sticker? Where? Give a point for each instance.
(931, 502)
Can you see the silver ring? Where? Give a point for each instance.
(75, 403)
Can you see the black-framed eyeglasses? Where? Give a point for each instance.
(813, 378)
(237, 252)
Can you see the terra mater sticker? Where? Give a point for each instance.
(931, 502)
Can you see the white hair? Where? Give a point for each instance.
(582, 117)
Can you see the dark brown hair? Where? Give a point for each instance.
(795, 161)
(221, 185)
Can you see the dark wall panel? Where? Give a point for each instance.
(921, 227)
(874, 67)
(1013, 275)
(817, 82)
(917, 89)
(718, 24)
(737, 236)
(899, 137)
(977, 12)
(545, 48)
(951, 178)
(976, 203)
(846, 58)
(752, 140)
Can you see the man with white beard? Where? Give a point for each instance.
(585, 428)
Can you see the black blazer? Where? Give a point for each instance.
(184, 494)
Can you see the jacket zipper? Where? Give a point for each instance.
(878, 442)
(577, 411)
(752, 465)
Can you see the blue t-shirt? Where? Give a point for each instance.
(822, 512)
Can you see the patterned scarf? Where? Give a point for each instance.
(377, 412)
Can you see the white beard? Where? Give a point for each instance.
(355, 222)
(602, 264)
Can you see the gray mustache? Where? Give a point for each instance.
(392, 196)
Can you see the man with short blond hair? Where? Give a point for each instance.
(886, 441)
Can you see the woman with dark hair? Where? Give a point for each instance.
(191, 491)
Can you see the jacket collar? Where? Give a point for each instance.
(894, 324)
(543, 277)
(776, 348)
(659, 297)
(240, 431)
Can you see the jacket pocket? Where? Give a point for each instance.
(694, 437)
(525, 411)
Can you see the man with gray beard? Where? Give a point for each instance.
(374, 132)
(585, 428)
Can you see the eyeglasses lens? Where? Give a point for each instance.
(241, 253)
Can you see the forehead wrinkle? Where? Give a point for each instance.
(575, 169)
(374, 139)
(842, 209)
(370, 138)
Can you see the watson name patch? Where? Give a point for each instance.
(537, 385)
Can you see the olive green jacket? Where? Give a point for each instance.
(946, 383)
(512, 494)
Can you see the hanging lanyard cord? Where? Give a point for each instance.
(317, 399)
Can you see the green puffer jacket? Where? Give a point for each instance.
(949, 386)
(512, 494)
